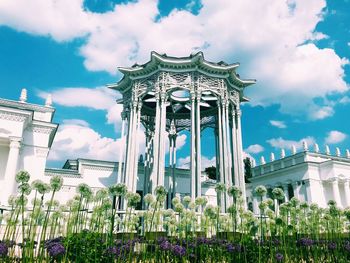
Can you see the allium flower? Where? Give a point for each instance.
(160, 191)
(305, 242)
(278, 193)
(187, 199)
(165, 245)
(56, 183)
(101, 194)
(332, 203)
(210, 211)
(294, 201)
(133, 199)
(178, 250)
(279, 257)
(175, 201)
(220, 187)
(332, 245)
(22, 177)
(149, 198)
(260, 190)
(179, 208)
(3, 249)
(234, 191)
(118, 189)
(84, 190)
(56, 250)
(25, 188)
(201, 200)
(347, 246)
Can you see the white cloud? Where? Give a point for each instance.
(289, 68)
(344, 100)
(75, 139)
(99, 98)
(255, 148)
(319, 113)
(334, 137)
(185, 163)
(278, 124)
(287, 144)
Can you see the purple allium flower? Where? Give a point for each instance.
(305, 242)
(230, 248)
(165, 245)
(332, 245)
(276, 242)
(56, 250)
(347, 246)
(279, 257)
(178, 250)
(3, 249)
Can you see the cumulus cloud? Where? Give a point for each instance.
(334, 137)
(185, 162)
(280, 52)
(76, 139)
(255, 148)
(99, 98)
(278, 124)
(281, 143)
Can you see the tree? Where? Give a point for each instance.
(211, 172)
(247, 169)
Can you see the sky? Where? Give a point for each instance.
(297, 50)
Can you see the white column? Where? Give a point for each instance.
(136, 148)
(225, 151)
(130, 175)
(198, 148)
(221, 156)
(286, 193)
(255, 205)
(347, 193)
(121, 150)
(336, 193)
(239, 155)
(295, 189)
(228, 140)
(234, 147)
(154, 175)
(162, 132)
(193, 147)
(11, 168)
(174, 165)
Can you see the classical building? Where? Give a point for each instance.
(168, 95)
(309, 175)
(26, 135)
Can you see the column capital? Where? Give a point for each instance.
(163, 96)
(238, 113)
(15, 142)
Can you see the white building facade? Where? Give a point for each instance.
(26, 135)
(308, 175)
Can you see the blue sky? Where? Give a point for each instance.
(297, 50)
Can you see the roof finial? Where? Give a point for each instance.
(305, 147)
(347, 153)
(48, 102)
(262, 160)
(283, 153)
(294, 149)
(316, 148)
(23, 97)
(337, 151)
(328, 152)
(272, 157)
(252, 162)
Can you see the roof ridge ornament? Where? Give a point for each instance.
(328, 152)
(305, 146)
(48, 102)
(347, 153)
(272, 157)
(337, 151)
(283, 153)
(316, 148)
(262, 160)
(23, 97)
(293, 149)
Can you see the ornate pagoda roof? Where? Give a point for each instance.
(195, 62)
